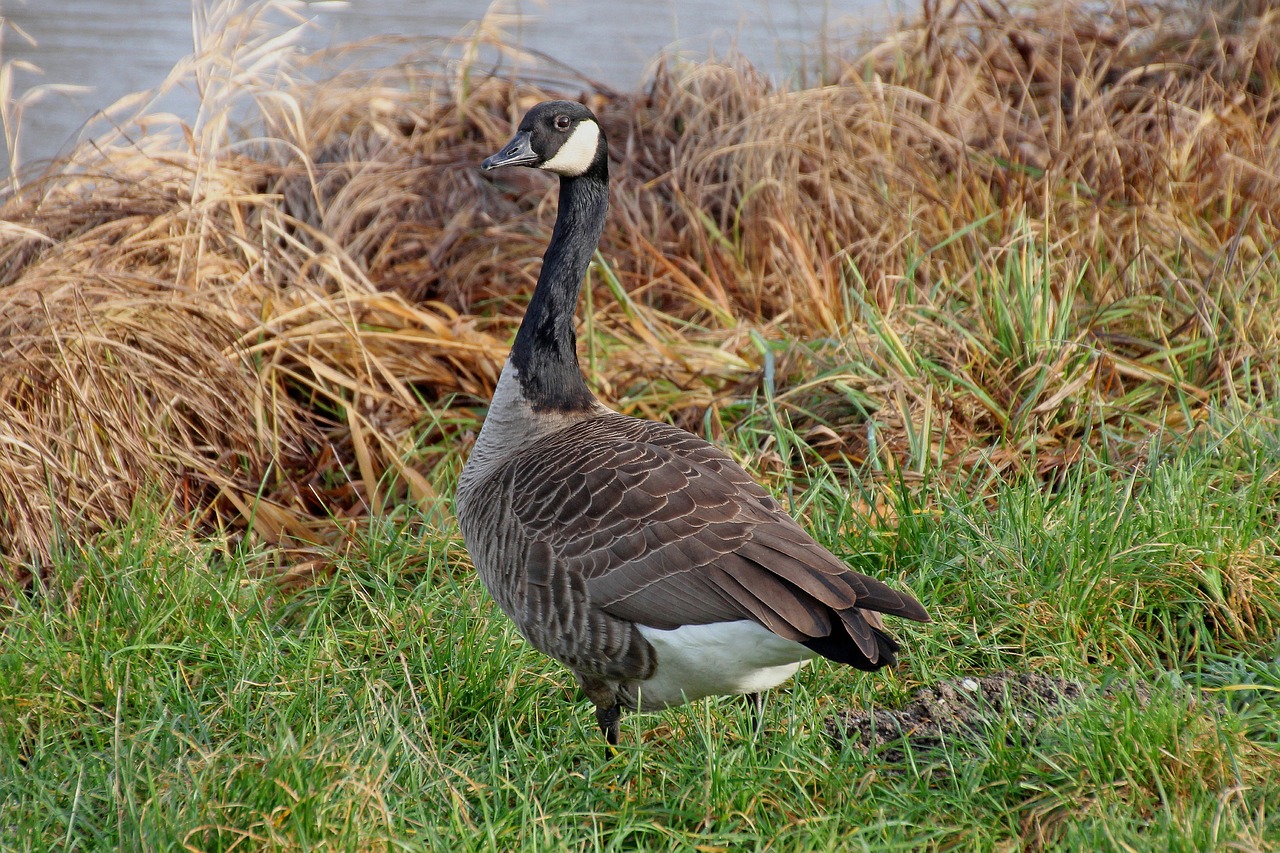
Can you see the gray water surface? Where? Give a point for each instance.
(116, 48)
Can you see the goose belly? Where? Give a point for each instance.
(720, 659)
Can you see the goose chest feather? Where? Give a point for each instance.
(643, 558)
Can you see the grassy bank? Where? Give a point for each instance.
(167, 701)
(986, 244)
(991, 303)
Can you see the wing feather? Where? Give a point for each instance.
(662, 529)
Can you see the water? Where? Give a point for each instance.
(110, 49)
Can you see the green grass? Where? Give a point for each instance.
(156, 695)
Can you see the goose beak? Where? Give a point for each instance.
(518, 152)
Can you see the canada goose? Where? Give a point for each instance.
(641, 557)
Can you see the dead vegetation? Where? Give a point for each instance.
(988, 240)
(966, 709)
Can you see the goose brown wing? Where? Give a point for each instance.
(667, 530)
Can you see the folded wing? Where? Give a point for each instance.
(666, 530)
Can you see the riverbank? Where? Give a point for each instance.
(992, 307)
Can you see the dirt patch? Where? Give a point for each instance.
(964, 709)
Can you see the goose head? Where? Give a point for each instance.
(562, 137)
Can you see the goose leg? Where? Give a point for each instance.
(608, 718)
(755, 701)
(608, 709)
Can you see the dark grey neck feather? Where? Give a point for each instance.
(545, 351)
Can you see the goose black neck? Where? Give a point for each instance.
(545, 351)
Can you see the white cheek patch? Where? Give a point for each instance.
(578, 151)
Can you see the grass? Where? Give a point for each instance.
(992, 308)
(174, 698)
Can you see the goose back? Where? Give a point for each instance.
(613, 522)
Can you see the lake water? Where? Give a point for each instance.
(115, 48)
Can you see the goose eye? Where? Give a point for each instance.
(563, 122)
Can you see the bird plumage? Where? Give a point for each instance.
(642, 557)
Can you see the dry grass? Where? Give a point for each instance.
(991, 240)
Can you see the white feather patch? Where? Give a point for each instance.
(720, 659)
(577, 152)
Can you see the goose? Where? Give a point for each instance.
(643, 558)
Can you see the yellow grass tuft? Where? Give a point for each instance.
(988, 240)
